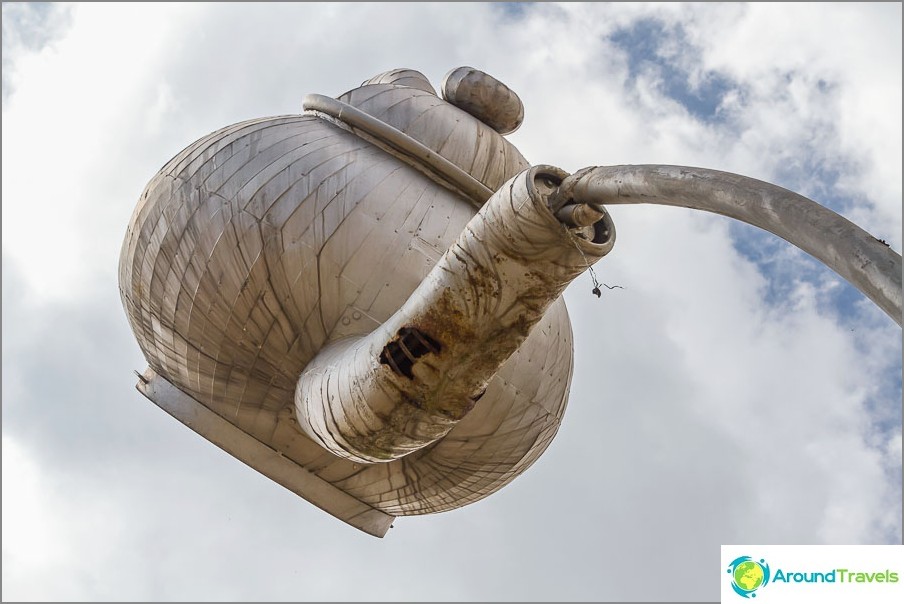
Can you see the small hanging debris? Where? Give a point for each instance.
(596, 284)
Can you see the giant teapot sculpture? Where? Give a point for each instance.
(363, 302)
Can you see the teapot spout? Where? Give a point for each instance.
(405, 385)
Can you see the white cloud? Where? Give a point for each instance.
(854, 47)
(71, 131)
(28, 528)
(703, 411)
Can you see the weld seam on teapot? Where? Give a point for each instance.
(402, 146)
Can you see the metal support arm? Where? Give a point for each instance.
(863, 260)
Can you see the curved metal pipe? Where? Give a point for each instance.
(861, 259)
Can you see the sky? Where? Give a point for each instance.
(734, 392)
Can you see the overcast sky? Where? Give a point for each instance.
(734, 391)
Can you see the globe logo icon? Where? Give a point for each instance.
(748, 575)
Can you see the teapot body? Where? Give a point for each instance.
(261, 243)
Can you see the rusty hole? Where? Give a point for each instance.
(409, 345)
